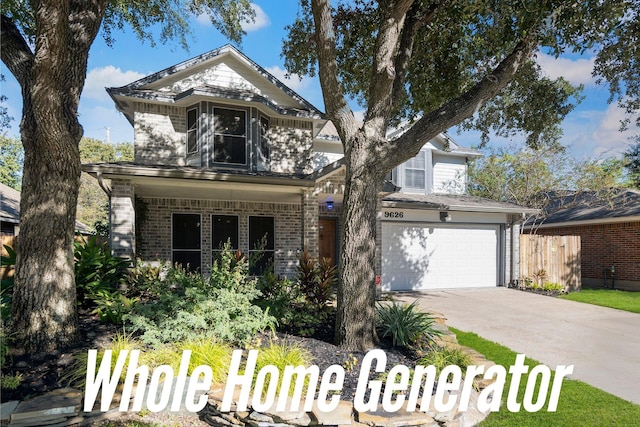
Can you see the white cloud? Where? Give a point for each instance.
(596, 134)
(100, 78)
(260, 21)
(293, 81)
(576, 71)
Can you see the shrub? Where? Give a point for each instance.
(297, 311)
(96, 270)
(552, 287)
(281, 356)
(144, 280)
(190, 307)
(11, 382)
(77, 374)
(445, 356)
(111, 307)
(405, 324)
(203, 352)
(7, 262)
(316, 280)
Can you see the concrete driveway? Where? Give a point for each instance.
(602, 343)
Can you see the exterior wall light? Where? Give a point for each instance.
(329, 204)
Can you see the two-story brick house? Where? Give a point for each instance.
(226, 152)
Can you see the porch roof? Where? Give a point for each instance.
(202, 183)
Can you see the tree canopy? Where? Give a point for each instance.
(444, 48)
(534, 178)
(632, 163)
(11, 159)
(440, 64)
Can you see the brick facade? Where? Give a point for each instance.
(156, 228)
(604, 246)
(122, 219)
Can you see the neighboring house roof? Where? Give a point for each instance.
(9, 204)
(10, 208)
(452, 202)
(151, 87)
(588, 207)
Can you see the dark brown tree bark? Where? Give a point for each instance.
(369, 155)
(52, 76)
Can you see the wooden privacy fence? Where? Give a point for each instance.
(554, 259)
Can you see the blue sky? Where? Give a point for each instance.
(590, 131)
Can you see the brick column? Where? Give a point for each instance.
(310, 215)
(122, 231)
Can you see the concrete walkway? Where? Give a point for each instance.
(602, 343)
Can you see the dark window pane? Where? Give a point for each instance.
(229, 149)
(189, 260)
(262, 244)
(192, 130)
(261, 227)
(264, 140)
(224, 228)
(186, 231)
(230, 122)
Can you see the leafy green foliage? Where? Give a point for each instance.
(405, 324)
(301, 305)
(11, 160)
(11, 382)
(316, 279)
(455, 46)
(7, 262)
(445, 356)
(97, 271)
(632, 163)
(111, 307)
(93, 203)
(189, 306)
(77, 374)
(282, 355)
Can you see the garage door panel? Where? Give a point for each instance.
(426, 256)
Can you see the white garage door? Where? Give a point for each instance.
(422, 257)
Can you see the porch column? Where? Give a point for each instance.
(122, 223)
(310, 215)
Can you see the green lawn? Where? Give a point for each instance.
(622, 300)
(579, 404)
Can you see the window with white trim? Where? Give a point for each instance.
(415, 172)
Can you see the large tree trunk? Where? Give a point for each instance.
(44, 316)
(355, 322)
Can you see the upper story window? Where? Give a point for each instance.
(263, 146)
(415, 173)
(192, 130)
(229, 136)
